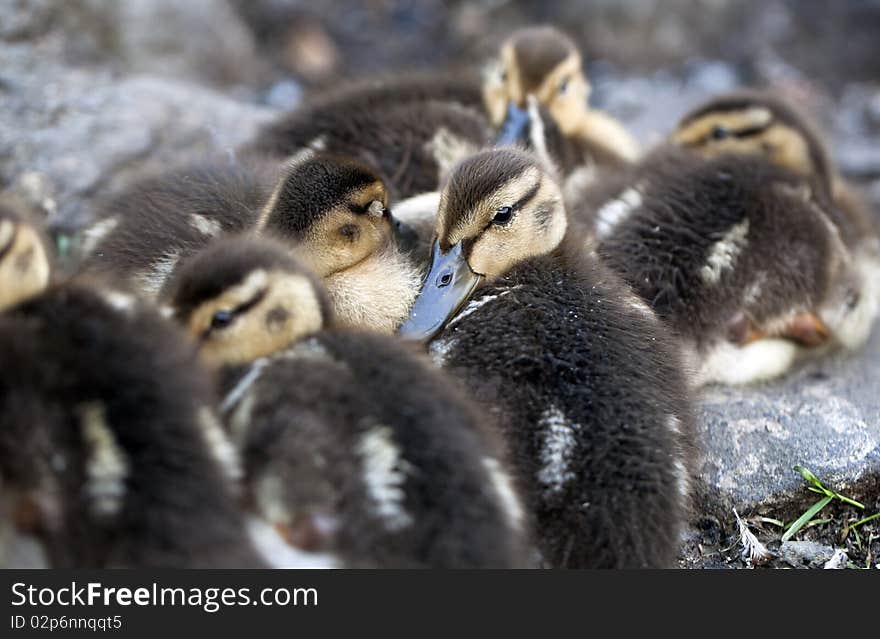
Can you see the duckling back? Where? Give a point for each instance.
(143, 233)
(411, 130)
(741, 257)
(370, 455)
(109, 450)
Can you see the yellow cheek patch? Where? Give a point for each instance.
(326, 251)
(289, 311)
(24, 265)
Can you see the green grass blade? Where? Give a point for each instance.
(849, 501)
(807, 516)
(865, 520)
(810, 477)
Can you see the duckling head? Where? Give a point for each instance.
(499, 208)
(754, 123)
(543, 63)
(24, 262)
(333, 210)
(244, 298)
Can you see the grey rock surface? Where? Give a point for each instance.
(71, 134)
(824, 416)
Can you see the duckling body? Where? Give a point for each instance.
(109, 450)
(378, 478)
(352, 445)
(142, 234)
(331, 211)
(590, 394)
(412, 129)
(731, 234)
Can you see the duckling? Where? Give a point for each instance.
(585, 380)
(25, 265)
(543, 65)
(731, 237)
(412, 129)
(352, 445)
(110, 454)
(330, 210)
(741, 261)
(750, 123)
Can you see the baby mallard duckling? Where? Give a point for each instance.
(411, 129)
(110, 453)
(731, 235)
(542, 67)
(24, 260)
(352, 445)
(741, 261)
(331, 211)
(760, 124)
(586, 382)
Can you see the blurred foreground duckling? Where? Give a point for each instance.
(412, 129)
(331, 211)
(351, 444)
(585, 381)
(110, 455)
(541, 67)
(730, 235)
(25, 266)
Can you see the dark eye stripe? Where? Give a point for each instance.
(741, 133)
(238, 310)
(525, 199)
(5, 249)
(249, 304)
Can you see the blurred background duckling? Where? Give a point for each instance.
(352, 445)
(25, 265)
(332, 211)
(587, 384)
(762, 124)
(411, 129)
(541, 67)
(732, 234)
(110, 454)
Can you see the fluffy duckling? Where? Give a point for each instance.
(351, 444)
(411, 129)
(332, 211)
(584, 379)
(542, 67)
(730, 234)
(741, 260)
(760, 124)
(110, 454)
(24, 260)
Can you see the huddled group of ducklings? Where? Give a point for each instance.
(259, 364)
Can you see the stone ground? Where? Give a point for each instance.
(96, 94)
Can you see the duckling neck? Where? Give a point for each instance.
(601, 130)
(375, 293)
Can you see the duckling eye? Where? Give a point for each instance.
(221, 319)
(720, 132)
(503, 215)
(563, 87)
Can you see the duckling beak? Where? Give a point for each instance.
(448, 285)
(515, 126)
